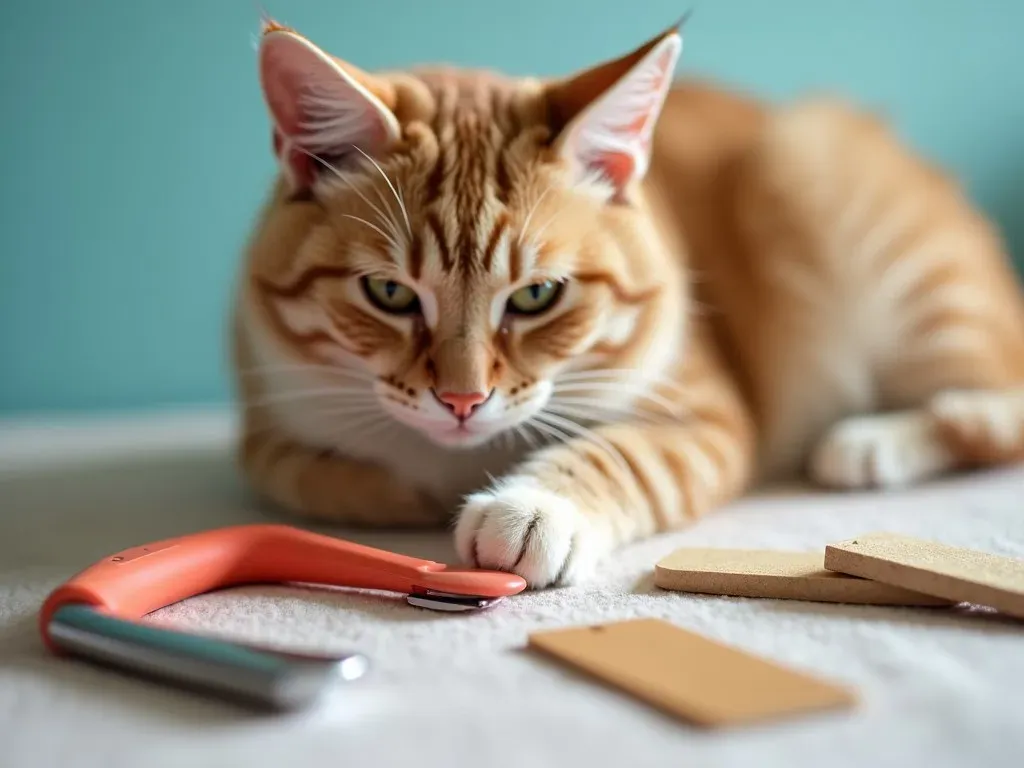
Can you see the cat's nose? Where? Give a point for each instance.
(462, 404)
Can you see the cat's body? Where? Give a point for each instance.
(739, 310)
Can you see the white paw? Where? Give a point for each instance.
(522, 527)
(880, 451)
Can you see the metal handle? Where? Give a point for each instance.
(280, 681)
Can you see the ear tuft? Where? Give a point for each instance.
(608, 114)
(319, 106)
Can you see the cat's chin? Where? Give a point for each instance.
(458, 438)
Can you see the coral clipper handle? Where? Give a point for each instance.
(137, 581)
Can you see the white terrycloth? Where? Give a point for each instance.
(938, 688)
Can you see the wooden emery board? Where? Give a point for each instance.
(954, 573)
(689, 676)
(776, 574)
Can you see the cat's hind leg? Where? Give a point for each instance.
(981, 427)
(957, 429)
(952, 385)
(881, 451)
(921, 282)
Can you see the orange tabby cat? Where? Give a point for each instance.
(574, 313)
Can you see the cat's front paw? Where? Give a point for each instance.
(522, 527)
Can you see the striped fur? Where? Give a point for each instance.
(784, 290)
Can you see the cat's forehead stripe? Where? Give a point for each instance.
(440, 240)
(500, 225)
(515, 261)
(416, 257)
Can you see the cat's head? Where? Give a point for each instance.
(472, 241)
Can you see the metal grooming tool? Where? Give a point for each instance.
(95, 615)
(444, 601)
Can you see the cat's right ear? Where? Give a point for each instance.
(604, 117)
(319, 106)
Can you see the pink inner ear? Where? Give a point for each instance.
(287, 69)
(317, 106)
(614, 133)
(617, 167)
(299, 163)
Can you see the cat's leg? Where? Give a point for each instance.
(981, 427)
(954, 382)
(956, 429)
(886, 450)
(326, 486)
(556, 515)
(902, 298)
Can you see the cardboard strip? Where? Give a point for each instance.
(779, 575)
(954, 573)
(687, 675)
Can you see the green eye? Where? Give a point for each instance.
(389, 296)
(535, 298)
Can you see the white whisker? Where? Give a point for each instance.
(323, 413)
(307, 368)
(601, 373)
(596, 405)
(540, 231)
(326, 411)
(637, 392)
(354, 427)
(621, 375)
(596, 414)
(385, 219)
(533, 210)
(398, 199)
(375, 228)
(376, 427)
(349, 394)
(524, 433)
(586, 435)
(551, 431)
(596, 402)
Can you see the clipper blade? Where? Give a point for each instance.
(445, 601)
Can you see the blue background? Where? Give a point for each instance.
(135, 147)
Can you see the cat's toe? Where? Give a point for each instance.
(880, 451)
(528, 530)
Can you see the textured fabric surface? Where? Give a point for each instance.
(938, 687)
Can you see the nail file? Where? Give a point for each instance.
(689, 676)
(775, 574)
(954, 573)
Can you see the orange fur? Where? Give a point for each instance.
(786, 289)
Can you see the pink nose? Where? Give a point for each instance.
(462, 404)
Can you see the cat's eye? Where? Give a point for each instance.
(534, 298)
(391, 296)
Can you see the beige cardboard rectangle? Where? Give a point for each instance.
(774, 574)
(687, 675)
(954, 573)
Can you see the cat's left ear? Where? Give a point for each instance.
(605, 116)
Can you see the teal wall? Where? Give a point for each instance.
(135, 148)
